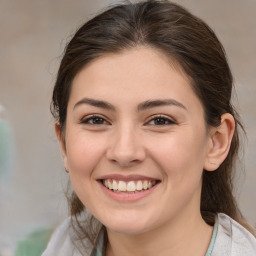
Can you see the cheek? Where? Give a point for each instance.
(180, 155)
(83, 156)
(83, 153)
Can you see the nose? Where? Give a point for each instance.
(126, 147)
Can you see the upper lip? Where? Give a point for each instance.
(133, 177)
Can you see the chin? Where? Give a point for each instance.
(127, 229)
(127, 226)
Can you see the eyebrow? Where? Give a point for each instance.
(158, 103)
(142, 106)
(95, 103)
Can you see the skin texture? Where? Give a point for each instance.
(169, 143)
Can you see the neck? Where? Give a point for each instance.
(180, 237)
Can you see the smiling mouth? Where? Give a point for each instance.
(120, 186)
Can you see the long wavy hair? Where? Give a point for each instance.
(188, 41)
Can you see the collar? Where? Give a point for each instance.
(99, 248)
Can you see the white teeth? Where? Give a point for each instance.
(109, 184)
(145, 185)
(114, 185)
(121, 186)
(131, 186)
(139, 185)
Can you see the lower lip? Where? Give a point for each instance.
(127, 197)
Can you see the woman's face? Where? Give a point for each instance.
(135, 141)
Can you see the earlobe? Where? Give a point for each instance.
(61, 140)
(220, 141)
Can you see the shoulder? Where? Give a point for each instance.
(233, 239)
(60, 243)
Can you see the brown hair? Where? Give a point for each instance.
(189, 42)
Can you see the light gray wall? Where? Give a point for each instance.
(32, 37)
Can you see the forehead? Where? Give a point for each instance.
(140, 73)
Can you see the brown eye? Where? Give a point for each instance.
(94, 120)
(160, 120)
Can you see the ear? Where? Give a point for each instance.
(220, 141)
(61, 140)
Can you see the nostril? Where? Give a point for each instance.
(126, 148)
(125, 158)
(125, 163)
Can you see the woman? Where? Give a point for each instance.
(149, 137)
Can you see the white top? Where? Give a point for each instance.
(231, 239)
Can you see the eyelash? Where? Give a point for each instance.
(91, 120)
(99, 120)
(166, 120)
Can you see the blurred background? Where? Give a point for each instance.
(33, 35)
